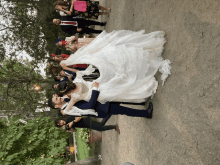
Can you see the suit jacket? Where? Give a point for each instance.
(67, 72)
(70, 29)
(63, 79)
(102, 109)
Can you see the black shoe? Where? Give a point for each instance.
(103, 23)
(150, 111)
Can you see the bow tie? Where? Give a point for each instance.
(69, 22)
(66, 100)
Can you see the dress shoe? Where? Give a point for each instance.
(104, 23)
(150, 111)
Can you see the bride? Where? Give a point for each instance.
(127, 62)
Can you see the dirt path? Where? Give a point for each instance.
(185, 128)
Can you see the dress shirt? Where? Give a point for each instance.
(63, 23)
(74, 111)
(95, 88)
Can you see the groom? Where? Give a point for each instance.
(104, 110)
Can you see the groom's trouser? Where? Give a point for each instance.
(116, 109)
(89, 30)
(97, 125)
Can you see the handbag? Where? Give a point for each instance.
(80, 6)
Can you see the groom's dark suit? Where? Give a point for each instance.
(82, 23)
(109, 108)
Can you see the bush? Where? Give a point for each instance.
(37, 142)
(84, 135)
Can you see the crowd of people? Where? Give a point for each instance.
(105, 71)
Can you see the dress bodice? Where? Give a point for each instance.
(84, 87)
(82, 92)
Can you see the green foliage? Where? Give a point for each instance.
(27, 143)
(84, 135)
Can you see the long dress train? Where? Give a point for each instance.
(127, 62)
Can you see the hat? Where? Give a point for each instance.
(57, 40)
(53, 55)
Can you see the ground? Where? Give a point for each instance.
(185, 128)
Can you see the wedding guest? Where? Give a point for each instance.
(74, 43)
(59, 57)
(66, 75)
(85, 122)
(72, 26)
(62, 57)
(82, 9)
(64, 8)
(91, 9)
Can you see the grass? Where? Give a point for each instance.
(82, 150)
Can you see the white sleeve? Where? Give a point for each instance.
(75, 95)
(62, 13)
(78, 112)
(72, 112)
(95, 88)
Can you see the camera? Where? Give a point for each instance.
(67, 127)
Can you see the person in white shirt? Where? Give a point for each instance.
(73, 25)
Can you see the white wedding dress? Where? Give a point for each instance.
(127, 62)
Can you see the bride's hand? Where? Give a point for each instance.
(63, 66)
(95, 84)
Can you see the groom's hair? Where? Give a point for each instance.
(51, 103)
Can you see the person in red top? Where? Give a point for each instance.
(64, 57)
(59, 57)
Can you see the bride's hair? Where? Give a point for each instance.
(65, 87)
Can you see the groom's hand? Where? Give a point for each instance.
(79, 29)
(95, 84)
(71, 124)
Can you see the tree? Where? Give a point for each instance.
(37, 142)
(31, 26)
(16, 88)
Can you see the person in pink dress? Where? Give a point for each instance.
(73, 43)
